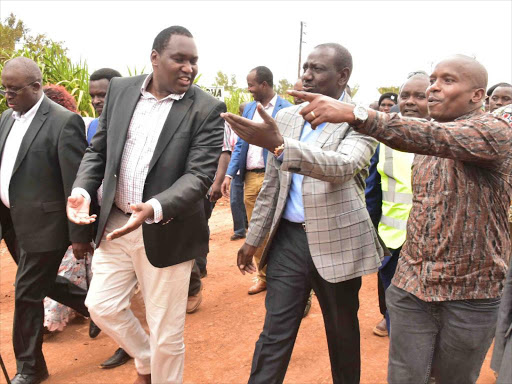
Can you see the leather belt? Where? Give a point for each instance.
(259, 170)
(303, 225)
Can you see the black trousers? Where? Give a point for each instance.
(200, 261)
(37, 278)
(290, 276)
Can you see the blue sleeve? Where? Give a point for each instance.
(234, 165)
(373, 190)
(93, 126)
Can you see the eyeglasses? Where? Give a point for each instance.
(12, 94)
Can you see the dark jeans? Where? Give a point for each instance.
(236, 200)
(447, 339)
(290, 276)
(37, 278)
(200, 261)
(385, 275)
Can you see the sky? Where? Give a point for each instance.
(387, 39)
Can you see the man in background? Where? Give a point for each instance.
(250, 160)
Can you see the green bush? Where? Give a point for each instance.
(57, 68)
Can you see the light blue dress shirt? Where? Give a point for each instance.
(294, 209)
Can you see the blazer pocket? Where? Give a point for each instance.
(54, 206)
(350, 218)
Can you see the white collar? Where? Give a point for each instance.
(145, 93)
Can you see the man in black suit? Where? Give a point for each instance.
(41, 146)
(155, 151)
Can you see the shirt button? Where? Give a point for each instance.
(115, 175)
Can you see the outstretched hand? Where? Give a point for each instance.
(265, 134)
(324, 109)
(140, 212)
(77, 210)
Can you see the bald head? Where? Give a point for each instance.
(25, 67)
(471, 69)
(457, 88)
(21, 77)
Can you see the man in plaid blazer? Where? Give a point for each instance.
(321, 236)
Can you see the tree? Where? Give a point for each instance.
(392, 88)
(11, 32)
(283, 86)
(353, 90)
(14, 31)
(222, 80)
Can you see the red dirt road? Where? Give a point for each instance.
(219, 337)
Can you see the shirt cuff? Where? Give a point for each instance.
(83, 192)
(231, 177)
(157, 209)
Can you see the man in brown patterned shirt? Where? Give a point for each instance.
(446, 291)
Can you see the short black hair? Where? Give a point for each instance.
(388, 95)
(491, 89)
(164, 36)
(264, 74)
(104, 73)
(343, 57)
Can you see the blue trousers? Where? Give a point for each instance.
(236, 200)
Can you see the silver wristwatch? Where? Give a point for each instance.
(360, 113)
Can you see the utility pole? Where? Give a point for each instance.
(302, 32)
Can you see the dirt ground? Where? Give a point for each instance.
(219, 337)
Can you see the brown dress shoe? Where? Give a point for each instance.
(193, 302)
(380, 329)
(143, 379)
(260, 286)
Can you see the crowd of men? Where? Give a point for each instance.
(416, 189)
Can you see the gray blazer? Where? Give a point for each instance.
(44, 171)
(341, 237)
(180, 172)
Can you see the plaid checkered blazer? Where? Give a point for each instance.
(341, 237)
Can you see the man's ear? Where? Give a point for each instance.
(154, 57)
(478, 96)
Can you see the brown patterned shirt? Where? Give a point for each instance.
(457, 232)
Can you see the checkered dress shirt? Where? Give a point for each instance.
(145, 127)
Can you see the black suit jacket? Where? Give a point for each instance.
(44, 171)
(180, 172)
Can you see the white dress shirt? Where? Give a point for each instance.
(12, 146)
(145, 127)
(255, 153)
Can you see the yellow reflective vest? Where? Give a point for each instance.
(394, 168)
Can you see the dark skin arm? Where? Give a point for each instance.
(322, 109)
(216, 193)
(244, 259)
(264, 135)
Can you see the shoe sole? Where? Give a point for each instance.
(256, 292)
(192, 310)
(114, 365)
(379, 333)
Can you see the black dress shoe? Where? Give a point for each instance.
(94, 330)
(119, 357)
(21, 378)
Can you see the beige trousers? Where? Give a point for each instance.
(117, 267)
(252, 187)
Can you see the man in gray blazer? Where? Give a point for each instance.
(155, 152)
(321, 235)
(41, 146)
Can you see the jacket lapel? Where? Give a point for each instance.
(4, 131)
(122, 123)
(178, 111)
(329, 128)
(32, 131)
